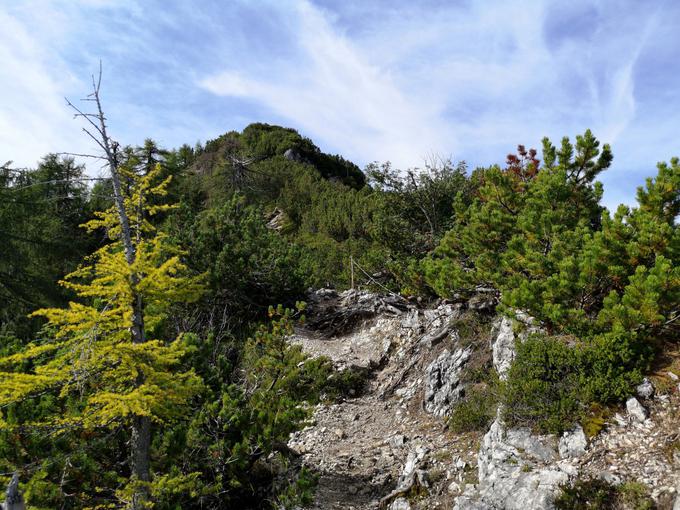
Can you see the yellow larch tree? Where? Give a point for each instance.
(100, 351)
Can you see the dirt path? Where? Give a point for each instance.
(360, 447)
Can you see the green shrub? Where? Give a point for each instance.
(542, 389)
(635, 495)
(475, 412)
(611, 365)
(591, 493)
(551, 384)
(598, 494)
(300, 492)
(350, 382)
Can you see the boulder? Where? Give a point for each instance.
(645, 389)
(636, 411)
(573, 443)
(400, 504)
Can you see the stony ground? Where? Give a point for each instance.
(361, 446)
(390, 448)
(646, 452)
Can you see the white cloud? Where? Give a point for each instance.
(34, 118)
(335, 94)
(385, 81)
(472, 80)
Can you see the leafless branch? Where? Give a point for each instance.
(86, 116)
(79, 155)
(57, 181)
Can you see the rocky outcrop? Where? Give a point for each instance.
(443, 386)
(573, 443)
(636, 411)
(503, 346)
(333, 314)
(504, 338)
(517, 471)
(13, 498)
(390, 448)
(293, 155)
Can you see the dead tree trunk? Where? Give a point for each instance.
(13, 498)
(141, 425)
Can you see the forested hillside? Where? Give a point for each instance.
(227, 238)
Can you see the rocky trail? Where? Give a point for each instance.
(389, 446)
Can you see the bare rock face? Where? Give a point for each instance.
(443, 381)
(333, 314)
(504, 338)
(353, 328)
(503, 347)
(573, 443)
(517, 471)
(293, 155)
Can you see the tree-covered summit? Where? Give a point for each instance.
(260, 142)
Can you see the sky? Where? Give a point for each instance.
(376, 80)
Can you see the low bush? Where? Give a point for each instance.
(350, 382)
(475, 412)
(611, 365)
(542, 388)
(598, 494)
(551, 384)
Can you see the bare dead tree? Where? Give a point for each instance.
(240, 167)
(13, 498)
(97, 131)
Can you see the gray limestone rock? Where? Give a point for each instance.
(400, 504)
(443, 385)
(517, 471)
(13, 497)
(504, 338)
(397, 441)
(645, 389)
(636, 410)
(573, 443)
(503, 347)
(293, 155)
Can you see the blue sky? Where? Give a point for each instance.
(373, 81)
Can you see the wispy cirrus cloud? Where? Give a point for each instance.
(370, 80)
(332, 92)
(467, 79)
